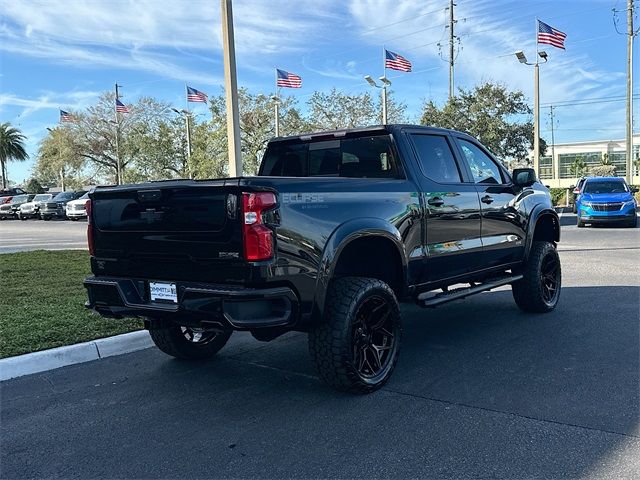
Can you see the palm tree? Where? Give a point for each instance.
(11, 148)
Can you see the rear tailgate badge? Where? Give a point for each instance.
(151, 215)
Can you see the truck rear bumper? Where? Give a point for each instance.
(239, 308)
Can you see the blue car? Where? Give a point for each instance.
(606, 200)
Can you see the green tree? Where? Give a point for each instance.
(257, 126)
(578, 167)
(500, 119)
(100, 140)
(34, 186)
(58, 159)
(11, 148)
(335, 110)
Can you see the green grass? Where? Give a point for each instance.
(42, 303)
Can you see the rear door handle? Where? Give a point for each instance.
(436, 201)
(486, 199)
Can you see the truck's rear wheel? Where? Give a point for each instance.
(355, 347)
(189, 343)
(539, 290)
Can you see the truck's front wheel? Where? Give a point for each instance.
(355, 348)
(188, 343)
(539, 290)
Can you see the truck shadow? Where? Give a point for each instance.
(551, 378)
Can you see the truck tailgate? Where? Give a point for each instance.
(174, 231)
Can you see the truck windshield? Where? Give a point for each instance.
(367, 156)
(613, 186)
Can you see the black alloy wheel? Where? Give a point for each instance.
(374, 337)
(550, 279)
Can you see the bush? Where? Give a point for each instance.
(558, 196)
(603, 171)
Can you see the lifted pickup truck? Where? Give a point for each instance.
(335, 230)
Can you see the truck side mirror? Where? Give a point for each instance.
(524, 177)
(634, 189)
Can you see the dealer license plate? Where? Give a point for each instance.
(164, 292)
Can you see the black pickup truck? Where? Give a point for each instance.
(337, 229)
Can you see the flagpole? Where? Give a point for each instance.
(536, 106)
(384, 85)
(187, 117)
(118, 164)
(276, 106)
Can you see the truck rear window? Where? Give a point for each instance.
(367, 156)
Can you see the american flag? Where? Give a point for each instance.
(194, 95)
(396, 62)
(121, 107)
(66, 116)
(549, 35)
(288, 79)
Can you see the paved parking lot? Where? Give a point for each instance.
(17, 236)
(481, 390)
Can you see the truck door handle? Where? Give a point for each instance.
(486, 199)
(436, 201)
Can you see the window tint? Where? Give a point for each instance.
(483, 168)
(362, 157)
(436, 158)
(285, 160)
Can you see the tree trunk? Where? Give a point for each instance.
(3, 171)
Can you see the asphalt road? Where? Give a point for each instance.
(481, 390)
(22, 236)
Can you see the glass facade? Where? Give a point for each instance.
(619, 159)
(590, 159)
(546, 167)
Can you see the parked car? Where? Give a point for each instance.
(77, 209)
(5, 199)
(31, 209)
(335, 230)
(606, 200)
(10, 210)
(576, 191)
(56, 207)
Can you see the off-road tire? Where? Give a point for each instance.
(332, 342)
(529, 293)
(171, 340)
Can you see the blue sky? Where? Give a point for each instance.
(64, 53)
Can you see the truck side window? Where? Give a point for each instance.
(483, 168)
(435, 158)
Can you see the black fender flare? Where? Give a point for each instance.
(342, 236)
(538, 212)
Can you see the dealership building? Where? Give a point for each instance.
(555, 167)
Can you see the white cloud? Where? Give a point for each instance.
(73, 100)
(150, 35)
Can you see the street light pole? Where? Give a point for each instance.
(536, 102)
(231, 91)
(276, 108)
(385, 83)
(629, 134)
(187, 122)
(57, 141)
(536, 117)
(118, 162)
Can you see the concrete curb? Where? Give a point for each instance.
(51, 359)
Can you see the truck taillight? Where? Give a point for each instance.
(258, 238)
(88, 208)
